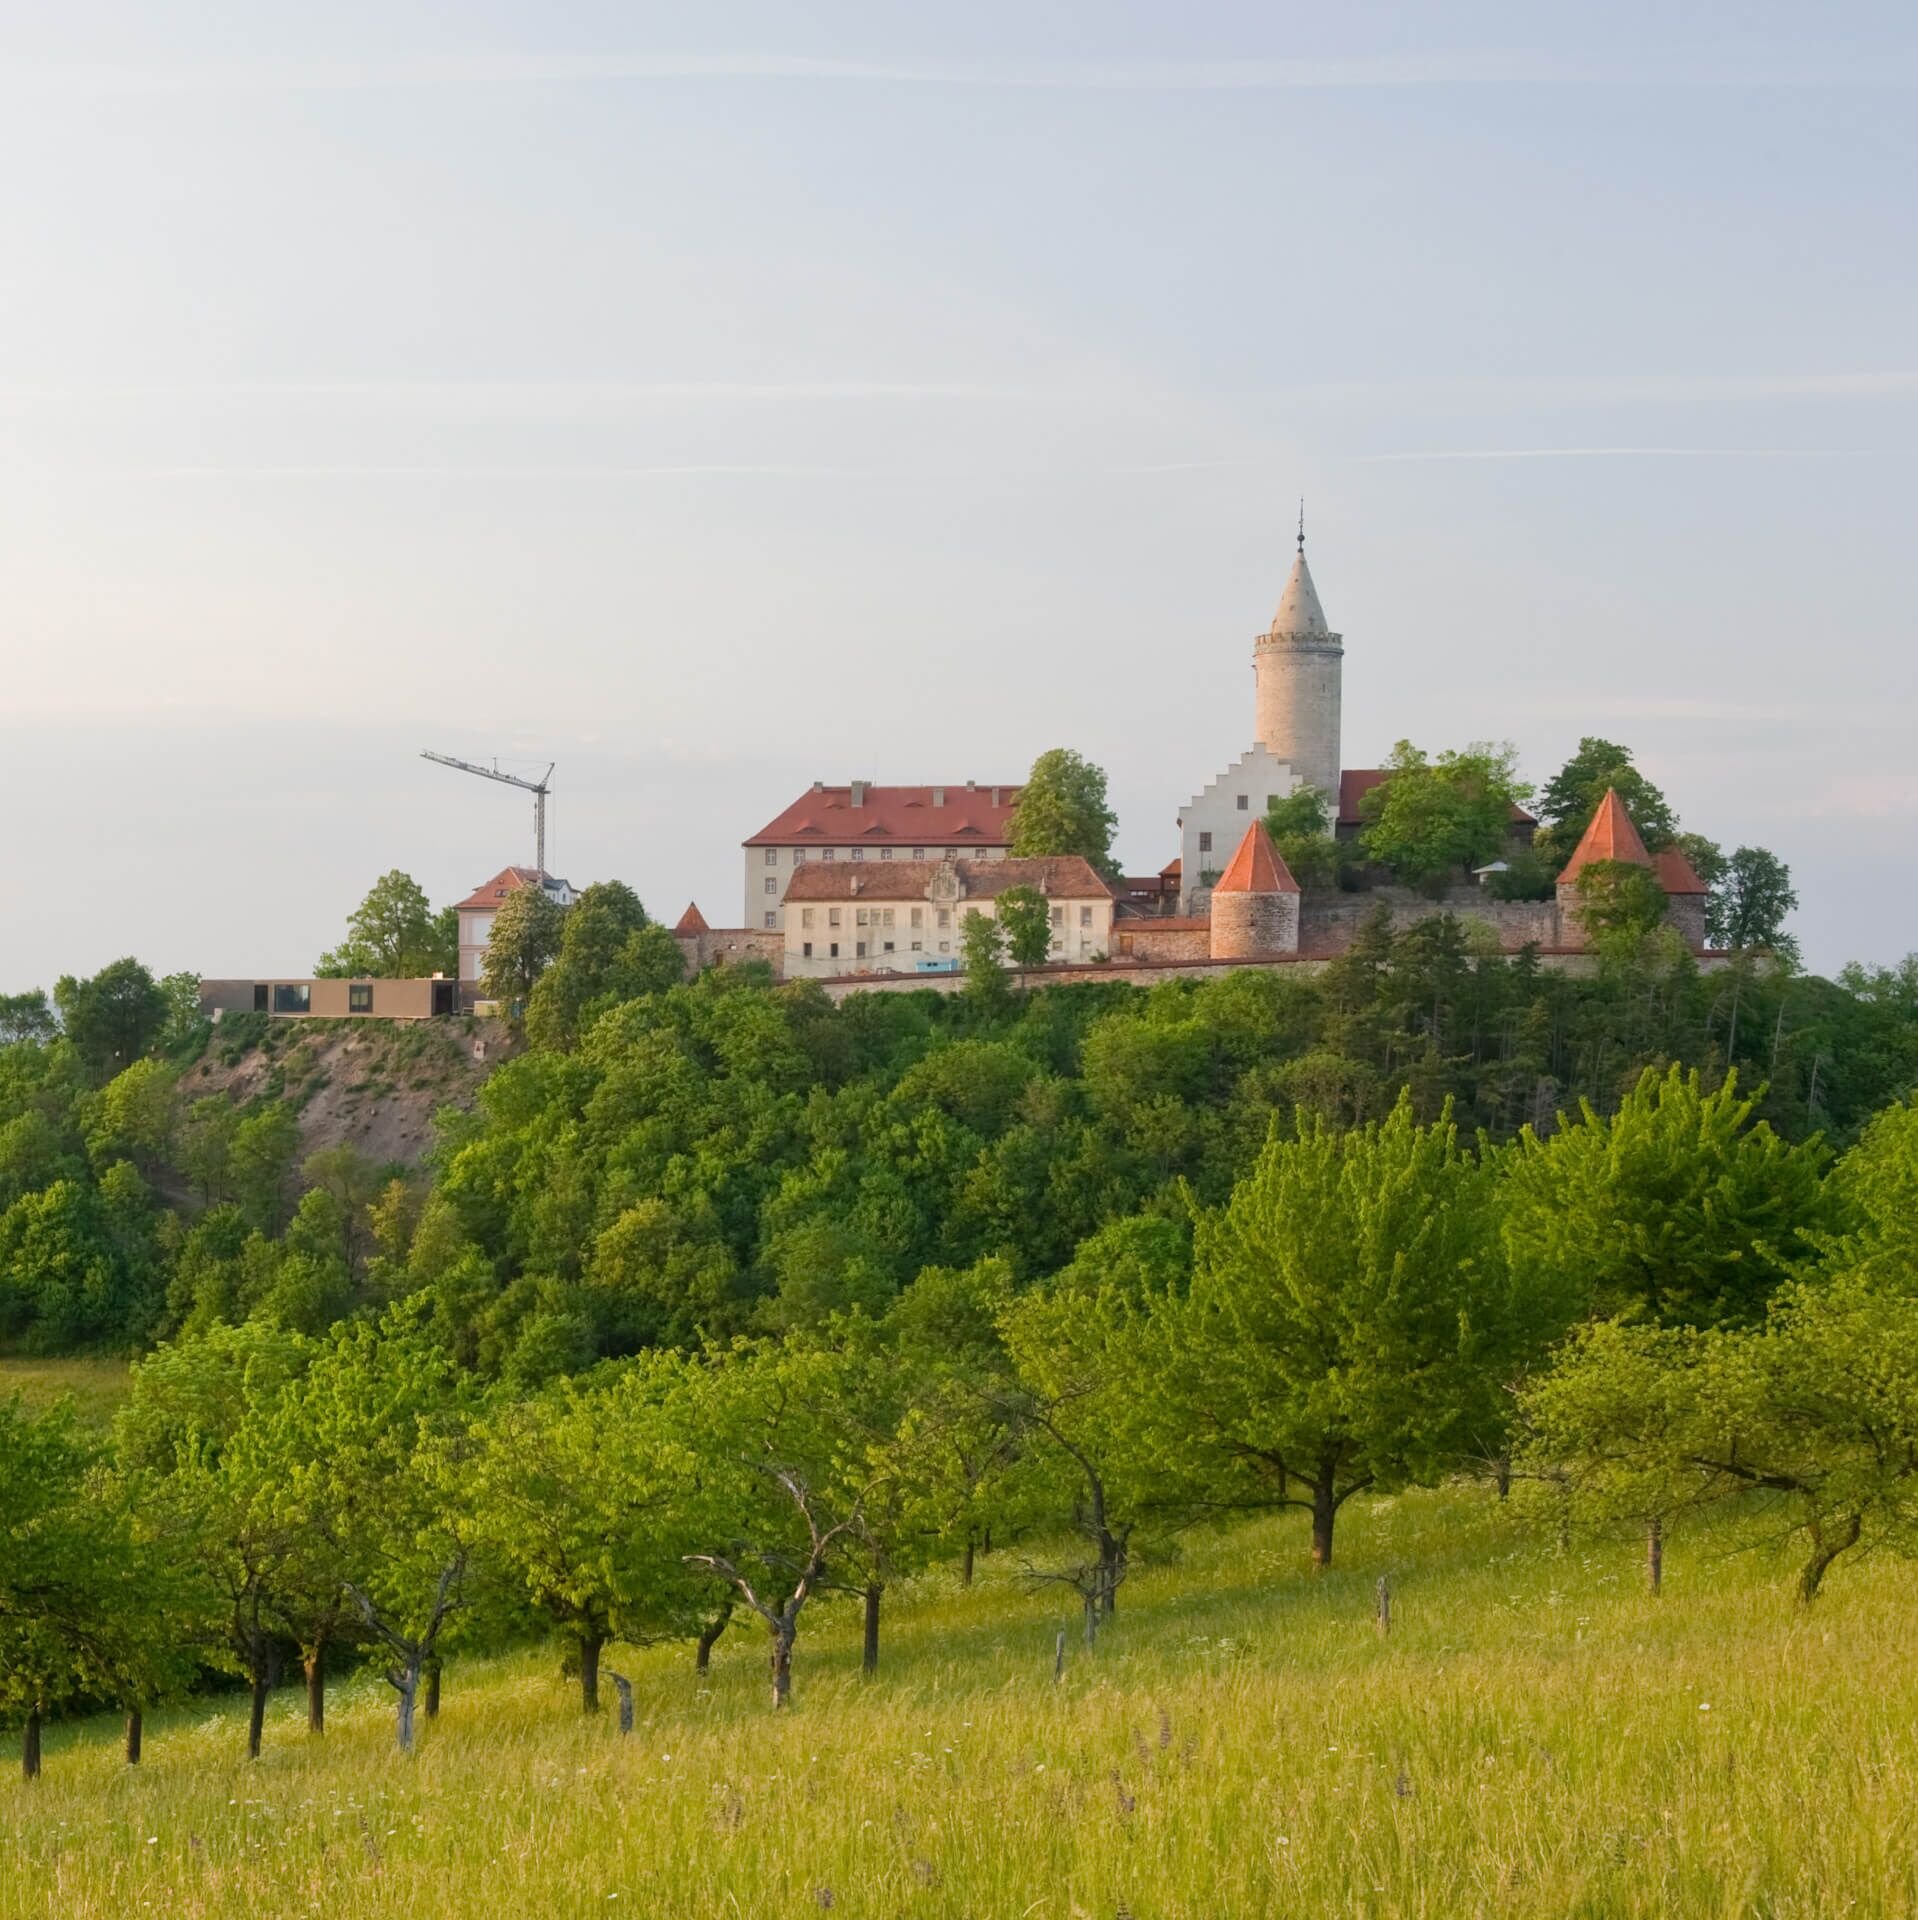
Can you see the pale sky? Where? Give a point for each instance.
(714, 399)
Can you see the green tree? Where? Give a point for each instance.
(1301, 828)
(1618, 901)
(113, 1018)
(1430, 818)
(1025, 923)
(1062, 809)
(1351, 1322)
(982, 942)
(1572, 795)
(588, 1497)
(26, 1017)
(185, 1023)
(390, 935)
(526, 935)
(1681, 1208)
(1748, 903)
(608, 952)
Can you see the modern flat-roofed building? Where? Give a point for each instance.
(861, 823)
(906, 916)
(422, 999)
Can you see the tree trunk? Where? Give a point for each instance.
(1092, 1615)
(1325, 1509)
(869, 1660)
(256, 1715)
(406, 1682)
(1502, 1474)
(135, 1728)
(709, 1635)
(1655, 1553)
(589, 1646)
(30, 1747)
(433, 1689)
(1826, 1548)
(782, 1665)
(314, 1663)
(985, 1545)
(965, 1564)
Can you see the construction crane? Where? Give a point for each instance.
(539, 789)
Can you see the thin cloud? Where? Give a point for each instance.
(1610, 453)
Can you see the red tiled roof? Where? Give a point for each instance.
(1059, 876)
(1356, 782)
(492, 892)
(1172, 869)
(965, 815)
(692, 920)
(1676, 874)
(1257, 866)
(1611, 836)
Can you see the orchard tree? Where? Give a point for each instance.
(1429, 818)
(1025, 922)
(1062, 809)
(526, 935)
(589, 1499)
(391, 935)
(1351, 1323)
(792, 1477)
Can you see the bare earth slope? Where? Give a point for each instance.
(372, 1084)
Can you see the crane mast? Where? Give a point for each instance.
(539, 789)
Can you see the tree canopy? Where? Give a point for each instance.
(1062, 809)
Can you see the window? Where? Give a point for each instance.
(772, 885)
(832, 916)
(805, 916)
(772, 856)
(918, 853)
(1205, 843)
(259, 998)
(859, 853)
(859, 951)
(833, 950)
(292, 999)
(1058, 916)
(945, 920)
(952, 853)
(1085, 916)
(945, 946)
(918, 946)
(359, 997)
(828, 853)
(864, 918)
(884, 919)
(918, 916)
(772, 919)
(1245, 803)
(805, 949)
(888, 946)
(799, 853)
(885, 853)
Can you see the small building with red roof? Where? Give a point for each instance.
(477, 910)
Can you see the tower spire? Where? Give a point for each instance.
(1301, 523)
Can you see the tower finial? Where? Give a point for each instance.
(1301, 523)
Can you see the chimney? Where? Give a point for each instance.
(995, 796)
(855, 883)
(859, 793)
(819, 786)
(938, 796)
(972, 786)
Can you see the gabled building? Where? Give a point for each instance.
(862, 823)
(1611, 836)
(907, 916)
(476, 913)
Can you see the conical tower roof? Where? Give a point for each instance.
(692, 920)
(1257, 867)
(1300, 617)
(1611, 836)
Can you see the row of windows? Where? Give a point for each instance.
(289, 997)
(874, 916)
(886, 853)
(859, 948)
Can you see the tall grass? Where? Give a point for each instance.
(98, 1385)
(1537, 1736)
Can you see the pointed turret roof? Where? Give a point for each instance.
(692, 920)
(1300, 617)
(1257, 867)
(1611, 836)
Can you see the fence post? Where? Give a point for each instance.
(1385, 1604)
(624, 1688)
(1059, 1656)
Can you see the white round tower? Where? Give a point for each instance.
(1296, 663)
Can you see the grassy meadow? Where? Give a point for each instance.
(95, 1385)
(1536, 1736)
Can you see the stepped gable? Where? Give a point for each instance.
(1257, 867)
(1611, 836)
(692, 920)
